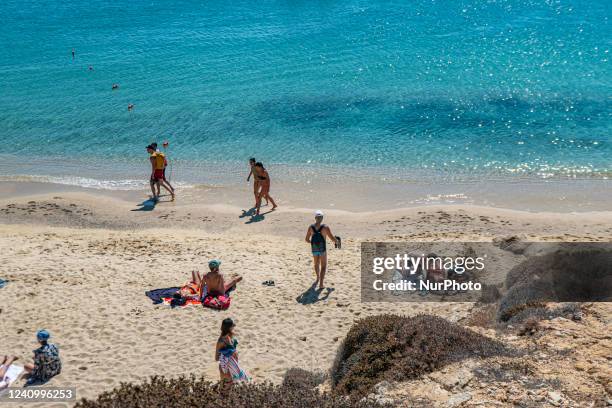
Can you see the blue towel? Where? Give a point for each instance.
(158, 295)
(3, 283)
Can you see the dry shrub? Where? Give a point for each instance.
(481, 316)
(489, 294)
(569, 311)
(574, 274)
(192, 392)
(530, 327)
(523, 296)
(397, 348)
(570, 274)
(299, 378)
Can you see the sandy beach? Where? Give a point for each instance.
(78, 263)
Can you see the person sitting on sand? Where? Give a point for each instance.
(214, 281)
(227, 355)
(264, 179)
(256, 183)
(316, 238)
(47, 362)
(5, 364)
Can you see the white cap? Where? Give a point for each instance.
(319, 213)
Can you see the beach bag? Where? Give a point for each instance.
(218, 303)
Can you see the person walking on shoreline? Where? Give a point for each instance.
(316, 238)
(256, 183)
(157, 170)
(264, 179)
(164, 181)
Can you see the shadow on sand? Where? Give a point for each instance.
(146, 205)
(257, 218)
(248, 213)
(311, 295)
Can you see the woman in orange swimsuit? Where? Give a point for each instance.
(264, 179)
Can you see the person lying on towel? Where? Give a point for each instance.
(5, 364)
(192, 290)
(215, 282)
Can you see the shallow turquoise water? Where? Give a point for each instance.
(476, 88)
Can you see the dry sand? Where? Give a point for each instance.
(78, 264)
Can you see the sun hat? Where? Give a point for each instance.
(319, 213)
(42, 335)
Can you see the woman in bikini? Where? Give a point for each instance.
(264, 179)
(256, 183)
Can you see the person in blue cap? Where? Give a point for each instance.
(213, 283)
(47, 363)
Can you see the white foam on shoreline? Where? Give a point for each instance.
(86, 182)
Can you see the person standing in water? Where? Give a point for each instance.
(73, 53)
(316, 238)
(264, 179)
(256, 184)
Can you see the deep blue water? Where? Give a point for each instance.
(485, 88)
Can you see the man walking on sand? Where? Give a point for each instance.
(316, 238)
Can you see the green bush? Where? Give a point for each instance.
(193, 392)
(397, 348)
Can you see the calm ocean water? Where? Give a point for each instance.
(398, 89)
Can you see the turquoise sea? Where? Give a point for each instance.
(397, 89)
